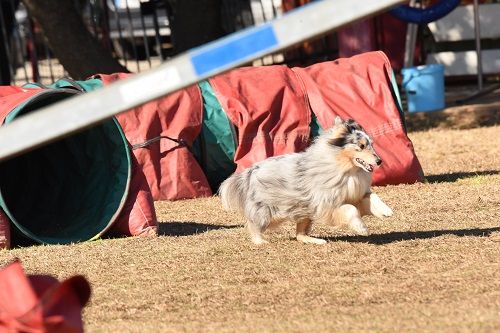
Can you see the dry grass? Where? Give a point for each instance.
(433, 267)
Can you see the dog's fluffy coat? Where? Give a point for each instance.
(328, 182)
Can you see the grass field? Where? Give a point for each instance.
(433, 267)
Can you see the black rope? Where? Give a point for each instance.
(180, 142)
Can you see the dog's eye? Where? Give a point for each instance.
(362, 146)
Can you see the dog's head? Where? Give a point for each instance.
(356, 146)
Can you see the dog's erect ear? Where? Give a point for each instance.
(338, 121)
(352, 125)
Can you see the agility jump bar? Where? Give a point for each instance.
(80, 112)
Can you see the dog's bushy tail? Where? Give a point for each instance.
(232, 192)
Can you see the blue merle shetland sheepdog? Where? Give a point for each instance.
(328, 182)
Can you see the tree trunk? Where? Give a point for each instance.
(69, 39)
(194, 22)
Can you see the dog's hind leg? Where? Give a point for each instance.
(303, 229)
(371, 204)
(258, 221)
(349, 215)
(255, 233)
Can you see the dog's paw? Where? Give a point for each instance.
(363, 231)
(310, 240)
(388, 212)
(259, 241)
(320, 241)
(359, 227)
(383, 211)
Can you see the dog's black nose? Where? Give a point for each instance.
(379, 161)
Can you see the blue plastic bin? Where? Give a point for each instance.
(424, 87)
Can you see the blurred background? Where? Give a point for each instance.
(43, 40)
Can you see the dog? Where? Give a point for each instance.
(329, 182)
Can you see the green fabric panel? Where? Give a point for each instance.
(70, 190)
(216, 145)
(87, 85)
(395, 90)
(91, 84)
(316, 128)
(34, 85)
(397, 97)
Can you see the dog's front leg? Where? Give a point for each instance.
(303, 229)
(349, 215)
(371, 204)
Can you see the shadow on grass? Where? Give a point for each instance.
(453, 177)
(189, 228)
(391, 237)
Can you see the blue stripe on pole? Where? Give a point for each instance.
(229, 50)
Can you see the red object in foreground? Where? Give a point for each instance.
(40, 303)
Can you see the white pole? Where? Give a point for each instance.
(477, 31)
(411, 40)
